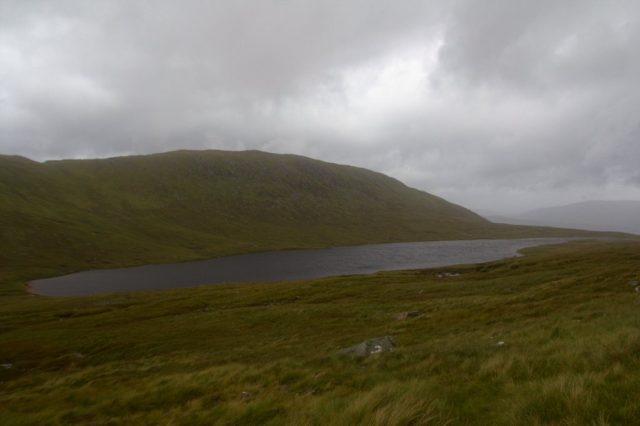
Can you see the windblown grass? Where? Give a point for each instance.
(266, 354)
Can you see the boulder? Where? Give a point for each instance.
(370, 347)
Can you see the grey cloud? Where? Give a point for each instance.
(545, 45)
(499, 103)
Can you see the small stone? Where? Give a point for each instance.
(245, 395)
(500, 343)
(7, 366)
(447, 274)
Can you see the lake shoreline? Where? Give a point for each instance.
(285, 265)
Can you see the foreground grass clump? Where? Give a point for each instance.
(549, 338)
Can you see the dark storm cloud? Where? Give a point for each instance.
(501, 104)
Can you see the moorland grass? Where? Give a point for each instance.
(567, 317)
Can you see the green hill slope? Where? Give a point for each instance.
(183, 205)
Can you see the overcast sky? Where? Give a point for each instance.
(500, 105)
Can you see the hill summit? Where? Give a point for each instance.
(193, 204)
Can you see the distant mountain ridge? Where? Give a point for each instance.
(616, 216)
(192, 204)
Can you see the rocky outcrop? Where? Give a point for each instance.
(370, 347)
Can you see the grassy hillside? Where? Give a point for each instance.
(61, 216)
(266, 354)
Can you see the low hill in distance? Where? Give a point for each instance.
(67, 215)
(615, 216)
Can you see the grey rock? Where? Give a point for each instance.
(7, 366)
(370, 347)
(448, 274)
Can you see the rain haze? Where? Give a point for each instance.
(495, 105)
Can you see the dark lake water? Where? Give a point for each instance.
(285, 265)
